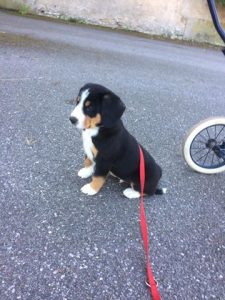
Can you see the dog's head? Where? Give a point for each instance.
(96, 106)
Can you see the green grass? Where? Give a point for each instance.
(24, 9)
(77, 21)
(221, 1)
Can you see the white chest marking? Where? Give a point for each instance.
(87, 141)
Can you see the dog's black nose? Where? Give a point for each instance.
(73, 120)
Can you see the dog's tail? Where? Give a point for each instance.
(161, 191)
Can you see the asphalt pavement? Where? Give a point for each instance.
(59, 244)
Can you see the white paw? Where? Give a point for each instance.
(86, 172)
(130, 193)
(87, 189)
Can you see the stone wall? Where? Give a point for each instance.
(180, 19)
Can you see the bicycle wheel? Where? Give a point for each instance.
(204, 146)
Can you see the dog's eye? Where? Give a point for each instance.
(88, 106)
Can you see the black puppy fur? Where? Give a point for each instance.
(117, 149)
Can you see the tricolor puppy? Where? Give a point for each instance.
(108, 146)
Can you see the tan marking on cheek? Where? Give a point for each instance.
(92, 122)
(97, 182)
(87, 122)
(87, 162)
(95, 121)
(94, 151)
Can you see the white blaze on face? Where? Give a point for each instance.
(78, 111)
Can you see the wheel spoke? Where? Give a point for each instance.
(198, 151)
(218, 159)
(207, 132)
(220, 132)
(201, 142)
(205, 154)
(202, 137)
(212, 158)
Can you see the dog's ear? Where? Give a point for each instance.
(112, 109)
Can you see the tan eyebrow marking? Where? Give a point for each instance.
(87, 103)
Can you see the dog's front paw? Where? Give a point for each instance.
(130, 193)
(88, 190)
(86, 172)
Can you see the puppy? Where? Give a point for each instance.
(108, 146)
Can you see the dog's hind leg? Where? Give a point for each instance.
(131, 193)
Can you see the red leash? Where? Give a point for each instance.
(144, 231)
